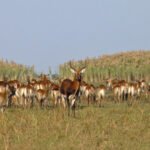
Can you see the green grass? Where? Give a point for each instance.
(114, 127)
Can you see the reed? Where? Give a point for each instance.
(128, 65)
(12, 70)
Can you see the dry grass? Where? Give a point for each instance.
(116, 126)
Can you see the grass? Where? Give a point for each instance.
(12, 70)
(115, 127)
(126, 65)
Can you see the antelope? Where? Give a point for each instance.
(21, 94)
(14, 83)
(55, 93)
(41, 96)
(25, 94)
(30, 94)
(111, 82)
(83, 86)
(6, 95)
(117, 92)
(123, 90)
(82, 92)
(7, 90)
(90, 93)
(100, 94)
(42, 83)
(143, 85)
(119, 87)
(70, 88)
(3, 85)
(134, 89)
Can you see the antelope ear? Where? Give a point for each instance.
(72, 70)
(83, 70)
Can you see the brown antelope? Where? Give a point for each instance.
(143, 84)
(42, 96)
(42, 83)
(14, 83)
(100, 94)
(123, 90)
(134, 89)
(30, 94)
(55, 93)
(6, 95)
(143, 87)
(117, 92)
(83, 86)
(111, 82)
(25, 94)
(119, 87)
(90, 93)
(3, 85)
(6, 90)
(70, 89)
(21, 94)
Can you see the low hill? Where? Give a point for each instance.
(125, 65)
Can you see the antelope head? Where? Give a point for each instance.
(77, 72)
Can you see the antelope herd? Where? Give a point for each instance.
(42, 92)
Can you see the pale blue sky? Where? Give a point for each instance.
(49, 32)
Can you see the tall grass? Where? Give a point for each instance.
(11, 70)
(128, 65)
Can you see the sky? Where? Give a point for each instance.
(46, 33)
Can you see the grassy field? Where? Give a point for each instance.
(114, 127)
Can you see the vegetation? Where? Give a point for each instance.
(126, 65)
(12, 70)
(116, 126)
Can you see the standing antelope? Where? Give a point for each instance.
(6, 95)
(100, 94)
(70, 89)
(120, 89)
(55, 93)
(134, 89)
(90, 93)
(42, 96)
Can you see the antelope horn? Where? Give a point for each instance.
(71, 66)
(83, 67)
